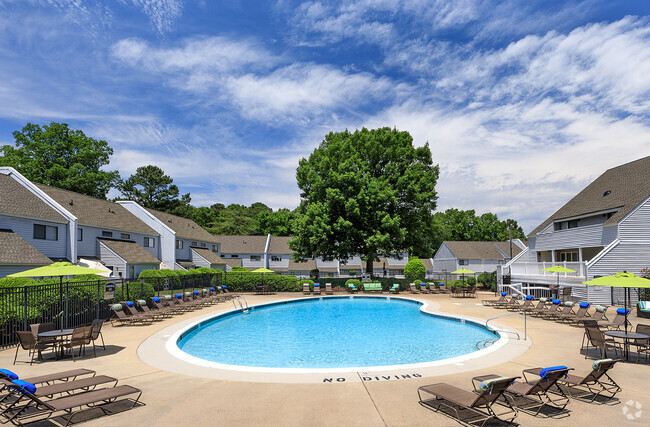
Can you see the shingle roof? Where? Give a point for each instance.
(183, 227)
(481, 250)
(97, 212)
(308, 265)
(628, 185)
(16, 200)
(379, 265)
(427, 263)
(280, 245)
(130, 251)
(210, 256)
(242, 244)
(16, 251)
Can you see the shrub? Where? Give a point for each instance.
(16, 282)
(471, 281)
(240, 269)
(415, 270)
(355, 282)
(459, 282)
(487, 280)
(353, 272)
(239, 282)
(133, 291)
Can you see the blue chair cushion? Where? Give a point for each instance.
(529, 297)
(622, 311)
(25, 386)
(503, 294)
(195, 292)
(584, 305)
(224, 287)
(556, 301)
(178, 295)
(155, 299)
(211, 288)
(10, 375)
(129, 304)
(548, 370)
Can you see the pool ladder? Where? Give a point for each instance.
(243, 306)
(514, 332)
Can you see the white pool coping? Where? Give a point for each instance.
(161, 351)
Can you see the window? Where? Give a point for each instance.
(46, 232)
(568, 256)
(193, 243)
(149, 242)
(125, 236)
(256, 258)
(215, 248)
(463, 262)
(179, 244)
(234, 256)
(276, 258)
(107, 234)
(80, 234)
(564, 225)
(203, 244)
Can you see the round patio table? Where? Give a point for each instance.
(626, 336)
(58, 335)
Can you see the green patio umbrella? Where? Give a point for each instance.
(559, 269)
(620, 280)
(57, 269)
(263, 270)
(463, 271)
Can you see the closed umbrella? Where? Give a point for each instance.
(620, 280)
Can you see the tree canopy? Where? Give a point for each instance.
(61, 157)
(151, 188)
(370, 192)
(458, 225)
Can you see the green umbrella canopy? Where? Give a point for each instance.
(463, 271)
(620, 280)
(559, 269)
(262, 270)
(57, 269)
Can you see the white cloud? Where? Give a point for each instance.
(162, 13)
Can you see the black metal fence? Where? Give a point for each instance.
(69, 304)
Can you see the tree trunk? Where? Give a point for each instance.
(369, 266)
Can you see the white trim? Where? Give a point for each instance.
(266, 251)
(629, 214)
(602, 253)
(588, 215)
(146, 212)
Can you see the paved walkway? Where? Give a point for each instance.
(176, 399)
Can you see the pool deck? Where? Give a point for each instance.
(173, 398)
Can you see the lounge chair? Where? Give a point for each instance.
(13, 399)
(120, 317)
(528, 303)
(540, 305)
(598, 315)
(27, 341)
(129, 308)
(352, 289)
(567, 309)
(433, 288)
(462, 401)
(552, 308)
(49, 378)
(619, 320)
(328, 289)
(144, 309)
(536, 394)
(413, 289)
(160, 307)
(643, 309)
(491, 302)
(394, 289)
(514, 301)
(593, 384)
(423, 288)
(317, 289)
(444, 288)
(39, 410)
(581, 314)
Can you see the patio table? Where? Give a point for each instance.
(58, 335)
(626, 337)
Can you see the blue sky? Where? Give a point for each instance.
(522, 103)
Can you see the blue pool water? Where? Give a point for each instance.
(332, 333)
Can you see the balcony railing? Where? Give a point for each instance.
(537, 269)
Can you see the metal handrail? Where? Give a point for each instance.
(509, 314)
(242, 307)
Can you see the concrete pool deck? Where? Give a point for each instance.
(173, 398)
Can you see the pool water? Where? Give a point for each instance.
(332, 333)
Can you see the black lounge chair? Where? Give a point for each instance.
(462, 401)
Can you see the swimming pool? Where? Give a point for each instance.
(332, 333)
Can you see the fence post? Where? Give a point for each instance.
(67, 291)
(141, 288)
(98, 297)
(25, 306)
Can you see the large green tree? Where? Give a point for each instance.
(61, 157)
(370, 193)
(151, 188)
(458, 225)
(278, 223)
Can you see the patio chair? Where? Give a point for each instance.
(456, 291)
(643, 309)
(97, 332)
(81, 337)
(597, 339)
(593, 384)
(479, 405)
(423, 288)
(39, 410)
(536, 394)
(328, 289)
(413, 288)
(642, 346)
(472, 292)
(491, 302)
(618, 321)
(394, 289)
(352, 289)
(27, 341)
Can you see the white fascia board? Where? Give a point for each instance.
(195, 253)
(629, 214)
(129, 203)
(602, 253)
